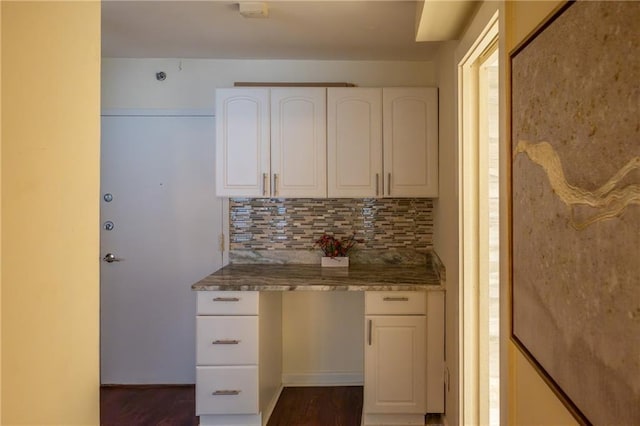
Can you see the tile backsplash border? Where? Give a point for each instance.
(294, 224)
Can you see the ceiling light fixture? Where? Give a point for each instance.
(254, 9)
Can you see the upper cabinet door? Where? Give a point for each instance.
(242, 142)
(298, 142)
(410, 126)
(354, 142)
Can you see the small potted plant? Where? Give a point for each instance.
(335, 251)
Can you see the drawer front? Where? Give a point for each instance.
(226, 340)
(227, 303)
(226, 390)
(395, 303)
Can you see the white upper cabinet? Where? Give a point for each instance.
(242, 142)
(315, 142)
(299, 142)
(354, 142)
(271, 142)
(410, 140)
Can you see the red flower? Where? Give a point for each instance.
(332, 247)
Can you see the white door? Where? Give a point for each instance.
(166, 222)
(354, 142)
(242, 143)
(410, 140)
(394, 364)
(299, 142)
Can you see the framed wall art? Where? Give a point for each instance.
(575, 207)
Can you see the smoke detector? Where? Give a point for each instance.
(254, 9)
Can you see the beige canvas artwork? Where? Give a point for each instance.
(575, 213)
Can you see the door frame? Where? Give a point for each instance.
(469, 223)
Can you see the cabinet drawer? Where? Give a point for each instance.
(226, 340)
(227, 303)
(395, 303)
(226, 390)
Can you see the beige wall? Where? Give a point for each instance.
(445, 208)
(531, 401)
(50, 216)
(191, 83)
(0, 213)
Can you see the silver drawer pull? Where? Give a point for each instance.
(225, 392)
(226, 299)
(396, 299)
(225, 342)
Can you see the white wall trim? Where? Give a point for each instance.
(151, 112)
(324, 378)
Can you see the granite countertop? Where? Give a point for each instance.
(288, 277)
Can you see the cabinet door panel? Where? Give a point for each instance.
(226, 340)
(227, 303)
(227, 390)
(395, 303)
(298, 142)
(410, 123)
(242, 141)
(354, 142)
(395, 357)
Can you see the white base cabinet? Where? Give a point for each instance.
(238, 356)
(395, 354)
(404, 357)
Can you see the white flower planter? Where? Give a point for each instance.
(335, 262)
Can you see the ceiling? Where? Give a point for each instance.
(323, 30)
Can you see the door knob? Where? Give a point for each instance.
(110, 258)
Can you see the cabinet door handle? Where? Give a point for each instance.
(275, 184)
(226, 299)
(377, 184)
(389, 184)
(264, 184)
(369, 331)
(225, 342)
(225, 392)
(395, 299)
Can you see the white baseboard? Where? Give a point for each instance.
(266, 414)
(445, 422)
(230, 420)
(323, 378)
(392, 419)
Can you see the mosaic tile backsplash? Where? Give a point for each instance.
(294, 224)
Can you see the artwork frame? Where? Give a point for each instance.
(568, 208)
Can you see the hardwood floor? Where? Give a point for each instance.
(175, 406)
(148, 406)
(318, 406)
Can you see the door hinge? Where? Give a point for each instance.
(222, 242)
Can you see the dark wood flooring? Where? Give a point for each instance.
(318, 406)
(148, 406)
(175, 406)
